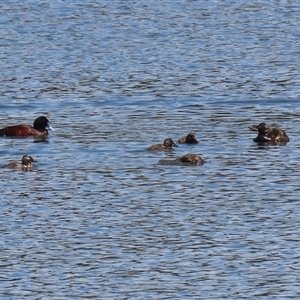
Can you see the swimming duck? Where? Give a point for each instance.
(268, 135)
(25, 165)
(39, 129)
(194, 159)
(189, 139)
(166, 146)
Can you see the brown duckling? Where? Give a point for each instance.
(189, 139)
(25, 165)
(268, 135)
(166, 146)
(194, 159)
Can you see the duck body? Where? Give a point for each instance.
(166, 146)
(269, 135)
(189, 139)
(39, 128)
(190, 158)
(25, 164)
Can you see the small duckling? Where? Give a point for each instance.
(194, 159)
(189, 139)
(268, 135)
(25, 165)
(166, 146)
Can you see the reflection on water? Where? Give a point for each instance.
(99, 215)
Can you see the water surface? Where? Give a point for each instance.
(99, 218)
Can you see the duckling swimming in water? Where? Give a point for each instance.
(194, 159)
(189, 139)
(25, 165)
(166, 146)
(268, 135)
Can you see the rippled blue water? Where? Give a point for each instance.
(99, 218)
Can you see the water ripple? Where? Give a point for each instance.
(99, 217)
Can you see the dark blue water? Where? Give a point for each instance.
(98, 217)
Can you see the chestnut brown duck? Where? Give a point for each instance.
(166, 146)
(269, 135)
(189, 139)
(39, 129)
